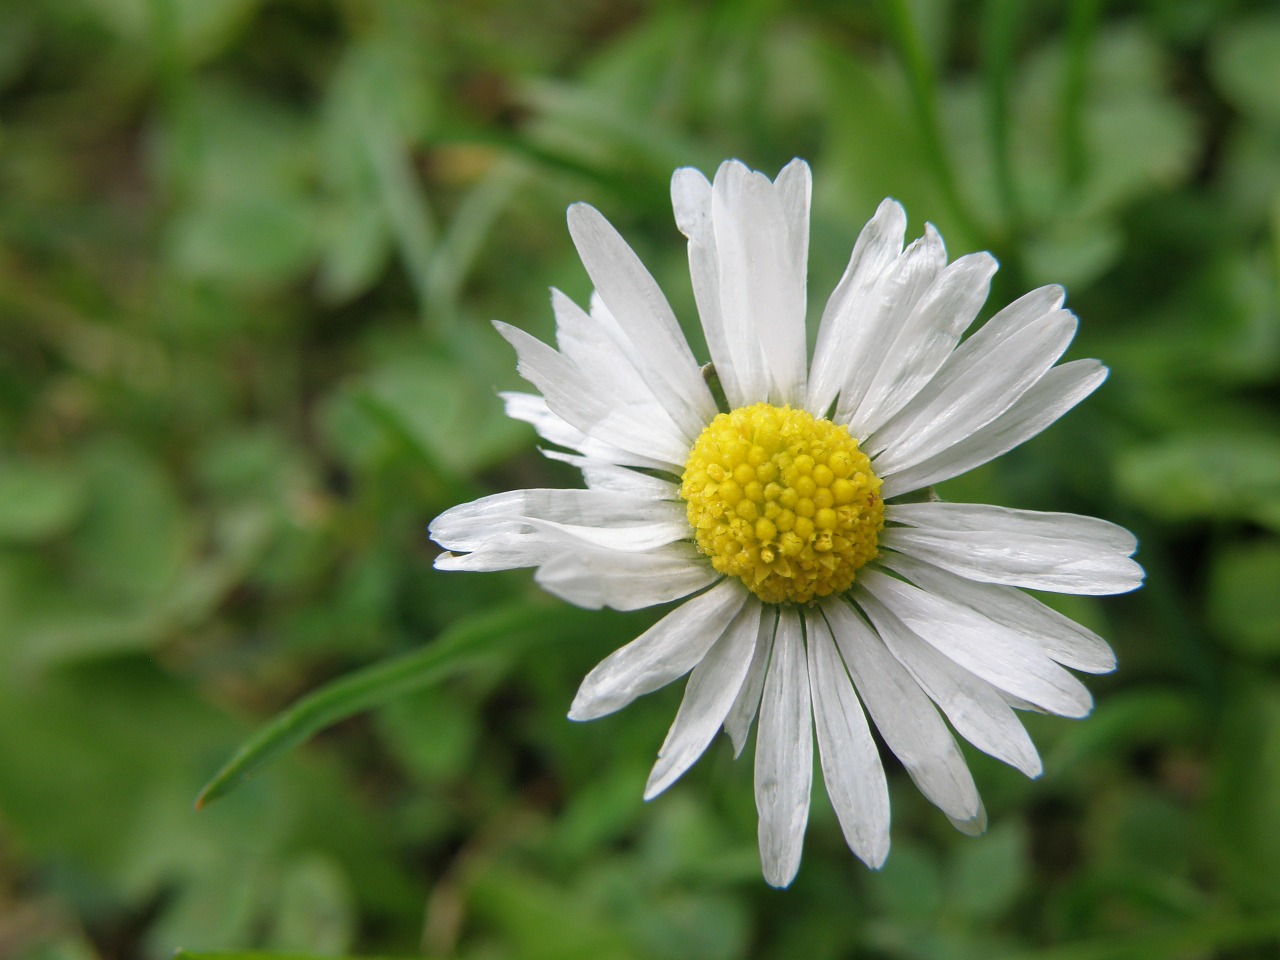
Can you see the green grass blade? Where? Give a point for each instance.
(469, 642)
(925, 96)
(1081, 27)
(1000, 30)
(266, 955)
(1201, 938)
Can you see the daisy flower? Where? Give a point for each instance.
(789, 501)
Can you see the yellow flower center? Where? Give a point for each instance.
(784, 501)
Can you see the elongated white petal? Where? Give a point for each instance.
(794, 187)
(925, 339)
(1001, 656)
(541, 542)
(600, 351)
(966, 362)
(844, 318)
(712, 688)
(892, 301)
(1061, 552)
(666, 651)
(851, 767)
(533, 410)
(662, 355)
(573, 396)
(1060, 637)
(691, 200)
(905, 717)
(1052, 395)
(605, 475)
(784, 754)
(974, 707)
(469, 526)
(762, 289)
(626, 581)
(968, 394)
(743, 712)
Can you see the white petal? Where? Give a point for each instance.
(784, 754)
(971, 390)
(762, 289)
(1061, 638)
(469, 526)
(1060, 552)
(851, 765)
(575, 397)
(600, 351)
(669, 649)
(989, 341)
(626, 581)
(606, 475)
(924, 341)
(794, 186)
(743, 712)
(974, 707)
(532, 409)
(1053, 395)
(691, 200)
(1002, 657)
(905, 717)
(878, 246)
(661, 353)
(712, 688)
(891, 302)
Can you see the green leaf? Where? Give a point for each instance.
(1245, 62)
(268, 955)
(1242, 596)
(986, 877)
(1233, 473)
(1246, 792)
(38, 501)
(465, 645)
(1203, 938)
(316, 911)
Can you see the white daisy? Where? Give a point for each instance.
(824, 580)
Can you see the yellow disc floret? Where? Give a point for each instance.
(784, 501)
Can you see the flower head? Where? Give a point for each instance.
(823, 586)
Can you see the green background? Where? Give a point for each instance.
(249, 252)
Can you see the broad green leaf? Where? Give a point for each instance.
(463, 646)
(1123, 722)
(38, 501)
(543, 920)
(315, 908)
(1242, 596)
(1230, 474)
(984, 879)
(134, 535)
(1245, 61)
(200, 29)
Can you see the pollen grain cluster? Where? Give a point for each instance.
(784, 501)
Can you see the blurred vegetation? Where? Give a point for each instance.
(249, 250)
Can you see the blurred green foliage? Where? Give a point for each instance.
(248, 255)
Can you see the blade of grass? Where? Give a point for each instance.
(265, 955)
(1000, 31)
(468, 643)
(407, 209)
(468, 230)
(1081, 27)
(902, 31)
